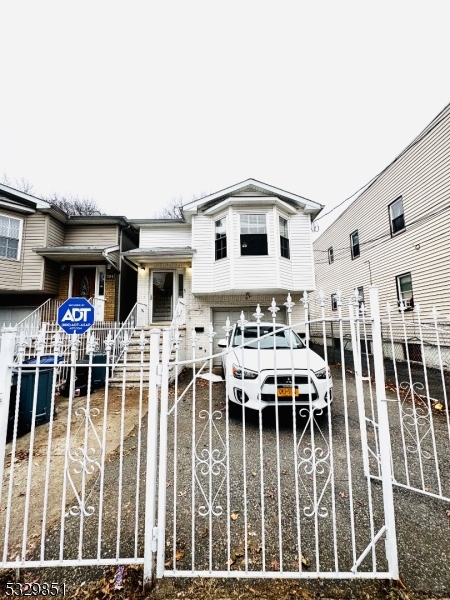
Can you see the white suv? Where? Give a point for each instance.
(270, 366)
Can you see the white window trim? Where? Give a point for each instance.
(227, 234)
(399, 291)
(19, 246)
(267, 233)
(288, 225)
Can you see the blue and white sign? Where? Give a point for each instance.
(76, 315)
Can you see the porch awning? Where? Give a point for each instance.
(64, 254)
(141, 256)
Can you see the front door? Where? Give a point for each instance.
(83, 282)
(162, 291)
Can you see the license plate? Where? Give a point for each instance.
(286, 391)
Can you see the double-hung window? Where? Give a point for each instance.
(397, 216)
(334, 302)
(354, 244)
(330, 255)
(284, 238)
(221, 238)
(360, 291)
(253, 235)
(10, 230)
(405, 291)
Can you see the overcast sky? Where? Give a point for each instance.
(136, 103)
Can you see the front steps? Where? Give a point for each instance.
(132, 371)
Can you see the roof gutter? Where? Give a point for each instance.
(105, 253)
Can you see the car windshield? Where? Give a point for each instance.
(284, 338)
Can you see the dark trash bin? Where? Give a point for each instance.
(98, 373)
(27, 388)
(81, 380)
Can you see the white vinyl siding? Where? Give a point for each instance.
(172, 236)
(422, 178)
(203, 259)
(301, 253)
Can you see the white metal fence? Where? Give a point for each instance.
(255, 475)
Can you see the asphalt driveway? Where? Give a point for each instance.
(264, 520)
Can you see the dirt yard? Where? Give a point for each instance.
(30, 460)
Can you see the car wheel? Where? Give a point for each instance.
(234, 410)
(323, 414)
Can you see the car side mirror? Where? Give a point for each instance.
(222, 344)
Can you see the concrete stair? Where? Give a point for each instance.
(132, 368)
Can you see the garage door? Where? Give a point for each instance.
(220, 317)
(13, 315)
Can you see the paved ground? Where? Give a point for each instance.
(423, 525)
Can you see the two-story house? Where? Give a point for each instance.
(46, 254)
(238, 247)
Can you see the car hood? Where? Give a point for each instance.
(285, 359)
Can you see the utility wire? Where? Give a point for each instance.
(384, 237)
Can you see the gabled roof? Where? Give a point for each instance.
(251, 187)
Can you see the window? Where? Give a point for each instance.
(397, 216)
(180, 285)
(360, 291)
(284, 238)
(221, 238)
(330, 255)
(9, 237)
(334, 305)
(354, 244)
(253, 235)
(404, 291)
(101, 284)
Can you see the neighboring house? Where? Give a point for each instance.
(45, 254)
(396, 234)
(236, 248)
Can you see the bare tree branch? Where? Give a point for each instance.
(174, 208)
(22, 184)
(74, 205)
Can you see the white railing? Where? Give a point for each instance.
(46, 313)
(124, 333)
(179, 319)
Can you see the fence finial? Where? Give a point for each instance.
(193, 338)
(273, 308)
(339, 297)
(227, 327)
(258, 314)
(210, 333)
(242, 320)
(289, 304)
(142, 341)
(321, 295)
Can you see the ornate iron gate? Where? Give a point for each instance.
(283, 491)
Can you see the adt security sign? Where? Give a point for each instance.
(76, 315)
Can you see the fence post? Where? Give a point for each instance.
(163, 453)
(384, 434)
(7, 343)
(152, 455)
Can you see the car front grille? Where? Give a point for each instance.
(286, 380)
(299, 398)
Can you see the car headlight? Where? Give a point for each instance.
(237, 372)
(322, 373)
